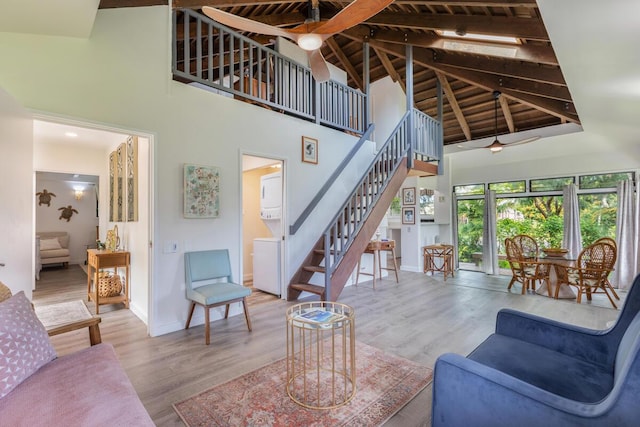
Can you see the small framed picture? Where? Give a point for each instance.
(309, 150)
(409, 196)
(408, 215)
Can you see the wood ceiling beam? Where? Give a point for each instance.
(524, 52)
(453, 102)
(525, 28)
(197, 4)
(506, 111)
(280, 19)
(391, 70)
(470, 3)
(348, 67)
(485, 81)
(527, 71)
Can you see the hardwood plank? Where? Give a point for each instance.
(419, 319)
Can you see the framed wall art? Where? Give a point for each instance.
(309, 150)
(201, 191)
(132, 178)
(409, 196)
(408, 215)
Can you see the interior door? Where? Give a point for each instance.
(17, 244)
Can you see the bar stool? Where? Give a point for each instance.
(374, 248)
(442, 251)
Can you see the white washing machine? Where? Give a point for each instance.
(266, 264)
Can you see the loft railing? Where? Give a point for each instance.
(349, 220)
(427, 140)
(213, 55)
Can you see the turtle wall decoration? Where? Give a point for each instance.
(44, 197)
(67, 212)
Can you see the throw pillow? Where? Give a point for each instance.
(49, 244)
(24, 343)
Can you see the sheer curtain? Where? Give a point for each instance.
(489, 232)
(454, 229)
(571, 238)
(626, 238)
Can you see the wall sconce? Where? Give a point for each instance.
(79, 192)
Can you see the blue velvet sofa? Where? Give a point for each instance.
(538, 372)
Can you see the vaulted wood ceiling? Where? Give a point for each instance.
(534, 91)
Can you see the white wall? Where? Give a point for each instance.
(388, 105)
(189, 125)
(17, 247)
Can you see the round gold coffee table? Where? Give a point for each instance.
(321, 363)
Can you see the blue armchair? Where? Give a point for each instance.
(538, 372)
(209, 284)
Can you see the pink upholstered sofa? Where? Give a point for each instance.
(86, 388)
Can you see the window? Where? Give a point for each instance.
(605, 180)
(468, 190)
(508, 187)
(550, 184)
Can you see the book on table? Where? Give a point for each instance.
(320, 316)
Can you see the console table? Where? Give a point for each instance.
(100, 259)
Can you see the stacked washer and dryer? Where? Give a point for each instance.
(267, 250)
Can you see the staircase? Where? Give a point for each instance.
(337, 251)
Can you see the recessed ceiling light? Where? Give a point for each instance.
(71, 134)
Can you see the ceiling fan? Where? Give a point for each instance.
(311, 34)
(496, 146)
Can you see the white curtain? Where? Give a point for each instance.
(626, 237)
(489, 239)
(571, 238)
(454, 229)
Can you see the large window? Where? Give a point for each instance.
(537, 212)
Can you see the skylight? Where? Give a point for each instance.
(482, 44)
(479, 37)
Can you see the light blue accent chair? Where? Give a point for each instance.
(209, 284)
(538, 372)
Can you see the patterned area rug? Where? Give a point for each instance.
(385, 383)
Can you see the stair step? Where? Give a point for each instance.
(306, 287)
(314, 268)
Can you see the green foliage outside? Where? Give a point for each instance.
(539, 217)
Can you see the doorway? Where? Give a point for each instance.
(263, 218)
(68, 149)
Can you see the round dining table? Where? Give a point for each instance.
(556, 273)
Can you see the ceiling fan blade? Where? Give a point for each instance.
(356, 12)
(319, 67)
(245, 24)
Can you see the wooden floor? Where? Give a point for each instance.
(419, 319)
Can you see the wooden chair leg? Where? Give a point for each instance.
(513, 280)
(94, 334)
(395, 264)
(207, 326)
(193, 307)
(608, 285)
(246, 313)
(226, 311)
(604, 288)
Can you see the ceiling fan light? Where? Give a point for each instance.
(495, 150)
(310, 41)
(495, 147)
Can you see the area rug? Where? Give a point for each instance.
(385, 383)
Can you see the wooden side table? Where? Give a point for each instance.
(444, 252)
(375, 247)
(99, 259)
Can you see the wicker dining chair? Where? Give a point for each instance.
(614, 244)
(589, 276)
(528, 245)
(525, 270)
